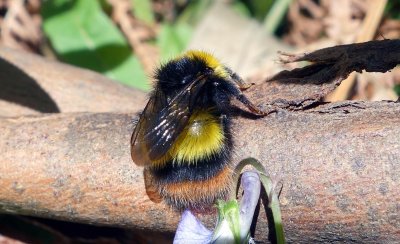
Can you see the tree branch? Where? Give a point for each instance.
(338, 163)
(338, 167)
(304, 87)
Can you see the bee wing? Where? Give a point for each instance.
(168, 126)
(160, 125)
(138, 145)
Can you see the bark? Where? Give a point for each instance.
(305, 87)
(338, 166)
(338, 163)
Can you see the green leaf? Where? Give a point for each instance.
(173, 39)
(143, 10)
(229, 211)
(81, 34)
(273, 205)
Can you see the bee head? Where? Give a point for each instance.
(214, 69)
(177, 73)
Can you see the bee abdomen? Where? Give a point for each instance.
(197, 194)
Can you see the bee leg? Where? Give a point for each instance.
(239, 81)
(253, 108)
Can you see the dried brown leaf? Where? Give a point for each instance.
(21, 26)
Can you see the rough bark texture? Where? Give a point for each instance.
(338, 166)
(338, 163)
(302, 88)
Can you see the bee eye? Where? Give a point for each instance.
(216, 83)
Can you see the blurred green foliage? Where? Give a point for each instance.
(393, 9)
(81, 32)
(83, 35)
(142, 9)
(256, 9)
(173, 39)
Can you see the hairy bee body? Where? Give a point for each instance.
(198, 172)
(183, 136)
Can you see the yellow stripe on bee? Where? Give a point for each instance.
(201, 138)
(210, 60)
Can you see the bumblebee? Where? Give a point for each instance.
(183, 136)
